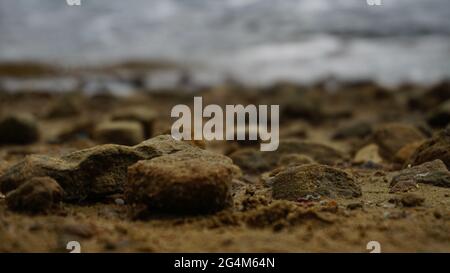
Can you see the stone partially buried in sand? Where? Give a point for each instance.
(91, 173)
(393, 136)
(438, 147)
(18, 129)
(315, 180)
(40, 194)
(432, 173)
(119, 132)
(184, 183)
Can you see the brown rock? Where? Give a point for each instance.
(119, 132)
(18, 129)
(66, 106)
(37, 195)
(369, 153)
(392, 137)
(355, 130)
(294, 160)
(182, 183)
(438, 147)
(440, 116)
(144, 116)
(411, 200)
(314, 180)
(255, 161)
(433, 173)
(405, 153)
(90, 173)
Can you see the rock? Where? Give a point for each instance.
(91, 173)
(316, 180)
(433, 173)
(405, 153)
(294, 160)
(321, 153)
(392, 137)
(356, 130)
(411, 200)
(119, 132)
(193, 183)
(144, 116)
(37, 195)
(432, 98)
(440, 116)
(369, 153)
(438, 147)
(255, 161)
(251, 160)
(66, 106)
(353, 206)
(18, 129)
(302, 105)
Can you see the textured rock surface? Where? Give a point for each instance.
(90, 173)
(37, 195)
(433, 173)
(438, 147)
(18, 129)
(315, 180)
(187, 182)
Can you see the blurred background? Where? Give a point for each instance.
(256, 42)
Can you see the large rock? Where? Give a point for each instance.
(315, 180)
(37, 195)
(438, 147)
(18, 129)
(185, 182)
(393, 136)
(91, 173)
(432, 173)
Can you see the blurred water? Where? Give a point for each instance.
(256, 41)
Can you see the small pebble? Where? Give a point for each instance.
(119, 201)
